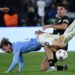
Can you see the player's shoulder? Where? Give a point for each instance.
(71, 20)
(65, 17)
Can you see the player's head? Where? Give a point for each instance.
(6, 45)
(61, 10)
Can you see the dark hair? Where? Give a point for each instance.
(4, 41)
(62, 5)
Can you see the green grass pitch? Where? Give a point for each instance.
(32, 63)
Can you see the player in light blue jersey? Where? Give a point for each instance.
(18, 49)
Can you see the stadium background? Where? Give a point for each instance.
(27, 9)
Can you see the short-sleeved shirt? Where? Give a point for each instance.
(60, 21)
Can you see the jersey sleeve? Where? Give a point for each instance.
(21, 62)
(14, 62)
(66, 20)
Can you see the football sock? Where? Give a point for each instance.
(60, 68)
(51, 62)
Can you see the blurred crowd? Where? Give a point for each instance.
(24, 12)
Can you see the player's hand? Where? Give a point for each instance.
(5, 9)
(46, 27)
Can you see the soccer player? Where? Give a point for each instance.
(18, 49)
(35, 44)
(60, 25)
(68, 34)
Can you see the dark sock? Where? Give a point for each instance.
(51, 62)
(60, 68)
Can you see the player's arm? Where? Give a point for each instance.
(4, 9)
(62, 26)
(21, 62)
(14, 62)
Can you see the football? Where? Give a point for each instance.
(61, 54)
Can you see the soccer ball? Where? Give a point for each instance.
(61, 54)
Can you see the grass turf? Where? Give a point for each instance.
(32, 63)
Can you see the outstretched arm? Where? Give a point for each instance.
(4, 9)
(21, 62)
(62, 26)
(14, 62)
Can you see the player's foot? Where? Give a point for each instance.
(52, 68)
(65, 67)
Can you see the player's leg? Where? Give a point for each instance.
(70, 28)
(44, 65)
(60, 67)
(48, 61)
(58, 43)
(49, 54)
(52, 60)
(63, 39)
(50, 40)
(69, 36)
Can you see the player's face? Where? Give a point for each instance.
(61, 11)
(7, 48)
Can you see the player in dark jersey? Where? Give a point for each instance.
(59, 27)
